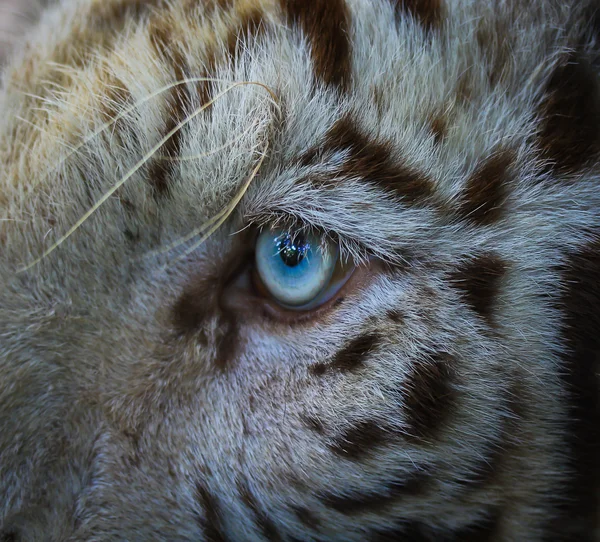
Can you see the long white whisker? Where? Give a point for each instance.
(136, 168)
(228, 210)
(208, 153)
(188, 237)
(158, 92)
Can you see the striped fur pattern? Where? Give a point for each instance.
(450, 393)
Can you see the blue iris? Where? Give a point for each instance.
(294, 267)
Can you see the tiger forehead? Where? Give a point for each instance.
(190, 38)
(410, 148)
(198, 39)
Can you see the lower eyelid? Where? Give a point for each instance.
(356, 278)
(248, 298)
(341, 274)
(336, 282)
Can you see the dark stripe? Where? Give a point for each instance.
(504, 444)
(409, 531)
(429, 396)
(390, 493)
(189, 6)
(426, 12)
(318, 369)
(486, 189)
(124, 135)
(263, 523)
(97, 30)
(496, 48)
(161, 168)
(372, 161)
(517, 400)
(465, 87)
(164, 38)
(570, 128)
(227, 342)
(116, 98)
(211, 521)
(205, 88)
(251, 23)
(113, 14)
(326, 24)
(307, 517)
(179, 105)
(581, 375)
(378, 97)
(199, 303)
(486, 470)
(132, 455)
(351, 357)
(479, 281)
(486, 529)
(593, 17)
(193, 306)
(359, 440)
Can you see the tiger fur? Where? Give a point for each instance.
(450, 391)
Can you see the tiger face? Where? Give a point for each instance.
(286, 270)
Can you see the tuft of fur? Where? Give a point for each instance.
(451, 147)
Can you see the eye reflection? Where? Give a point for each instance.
(292, 250)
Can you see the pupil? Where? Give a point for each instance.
(292, 250)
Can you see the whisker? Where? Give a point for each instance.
(158, 92)
(50, 83)
(226, 213)
(36, 97)
(241, 230)
(208, 153)
(59, 67)
(139, 165)
(194, 233)
(188, 237)
(32, 124)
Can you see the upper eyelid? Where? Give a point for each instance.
(349, 249)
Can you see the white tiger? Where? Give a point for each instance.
(301, 270)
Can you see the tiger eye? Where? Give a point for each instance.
(295, 268)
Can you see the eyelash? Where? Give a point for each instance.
(349, 250)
